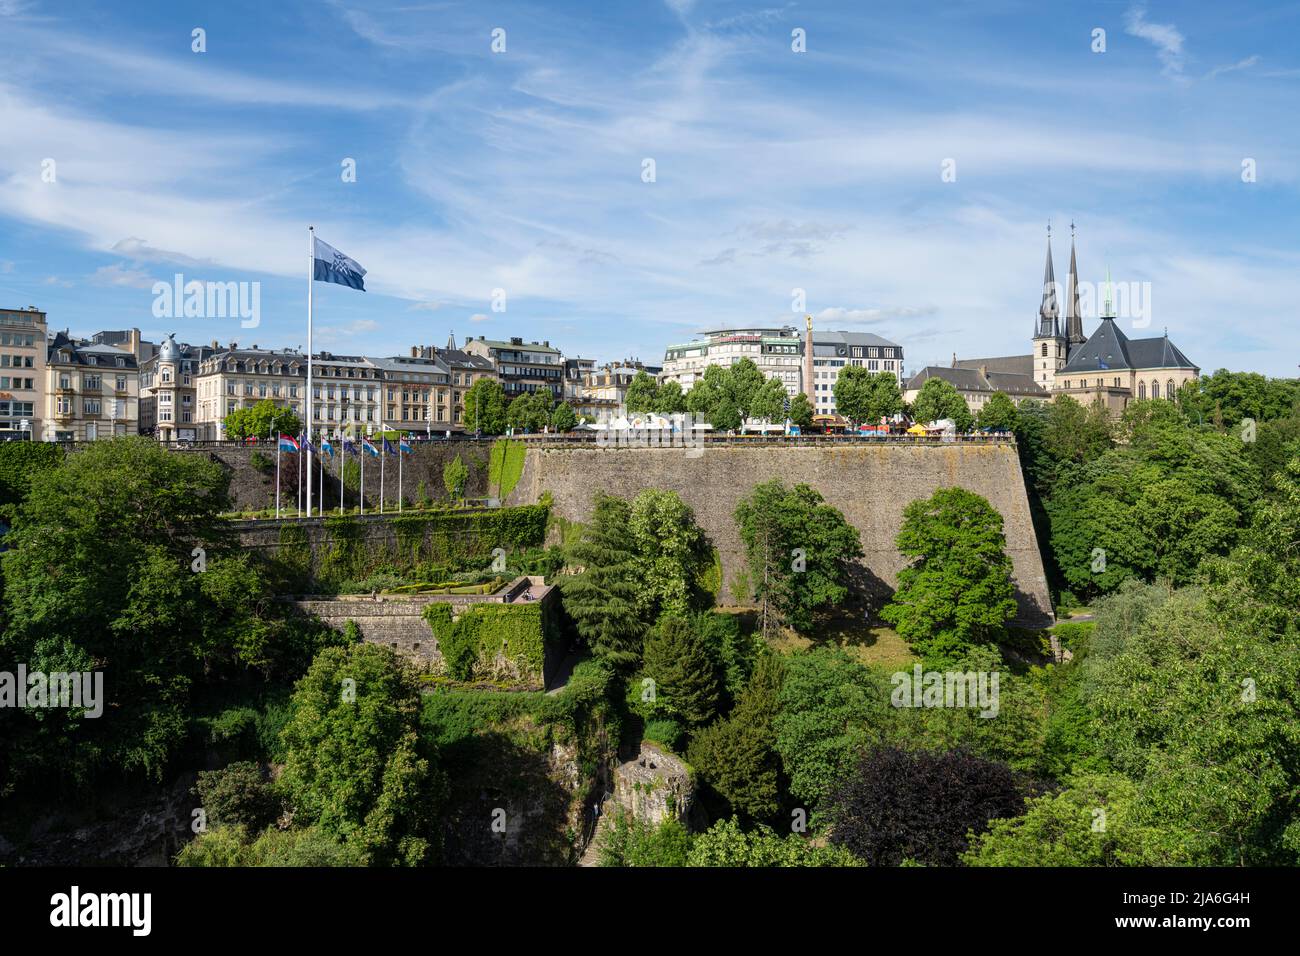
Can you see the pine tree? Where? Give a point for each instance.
(683, 669)
(602, 596)
(735, 756)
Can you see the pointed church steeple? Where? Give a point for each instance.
(1108, 308)
(451, 341)
(1048, 311)
(1073, 319)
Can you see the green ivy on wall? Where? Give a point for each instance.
(472, 644)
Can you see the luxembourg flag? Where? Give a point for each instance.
(404, 446)
(369, 448)
(327, 447)
(288, 443)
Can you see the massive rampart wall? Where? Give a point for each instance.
(870, 483)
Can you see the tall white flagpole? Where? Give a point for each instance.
(277, 468)
(362, 449)
(382, 455)
(399, 472)
(342, 453)
(311, 275)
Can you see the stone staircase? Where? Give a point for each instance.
(591, 856)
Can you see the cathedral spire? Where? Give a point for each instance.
(1108, 309)
(1073, 320)
(1048, 312)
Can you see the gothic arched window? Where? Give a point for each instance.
(1169, 389)
(1044, 350)
(1142, 389)
(1155, 389)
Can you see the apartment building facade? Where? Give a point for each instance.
(22, 373)
(522, 367)
(232, 378)
(808, 363)
(169, 393)
(92, 390)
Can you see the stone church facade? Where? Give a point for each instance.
(1106, 366)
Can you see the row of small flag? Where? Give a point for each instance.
(301, 443)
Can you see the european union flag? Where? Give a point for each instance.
(330, 265)
(388, 447)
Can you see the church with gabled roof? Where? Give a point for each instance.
(1106, 366)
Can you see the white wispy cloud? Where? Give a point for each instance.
(1245, 64)
(1165, 37)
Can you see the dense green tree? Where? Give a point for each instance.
(744, 382)
(119, 563)
(237, 795)
(736, 649)
(726, 844)
(725, 417)
(957, 589)
(736, 755)
(261, 421)
(865, 397)
(642, 394)
(630, 842)
(798, 551)
(454, 477)
(356, 764)
(530, 411)
(1258, 586)
(801, 412)
(684, 672)
(919, 805)
(1225, 398)
(999, 414)
(563, 418)
(671, 551)
(938, 400)
(1203, 715)
(485, 407)
(1075, 434)
(670, 399)
(768, 402)
(1156, 505)
(604, 595)
(832, 708)
(1089, 823)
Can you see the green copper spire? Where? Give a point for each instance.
(1107, 311)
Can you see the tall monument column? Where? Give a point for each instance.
(808, 384)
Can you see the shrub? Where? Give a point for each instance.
(237, 795)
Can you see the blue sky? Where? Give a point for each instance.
(774, 170)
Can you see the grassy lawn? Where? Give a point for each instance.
(873, 644)
(505, 466)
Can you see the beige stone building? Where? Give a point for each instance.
(22, 373)
(169, 389)
(92, 390)
(232, 378)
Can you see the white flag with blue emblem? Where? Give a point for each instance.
(333, 266)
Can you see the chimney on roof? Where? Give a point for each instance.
(215, 344)
(546, 342)
(415, 351)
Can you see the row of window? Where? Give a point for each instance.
(17, 338)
